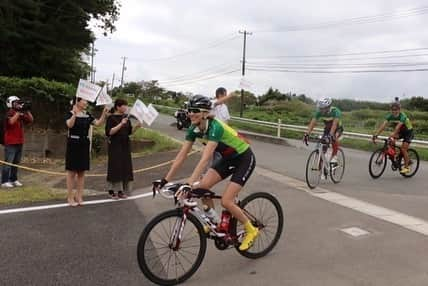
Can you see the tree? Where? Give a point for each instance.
(46, 38)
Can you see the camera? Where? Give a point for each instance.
(23, 106)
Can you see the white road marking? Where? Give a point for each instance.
(409, 222)
(355, 231)
(94, 202)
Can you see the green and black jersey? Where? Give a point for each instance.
(328, 117)
(230, 143)
(401, 118)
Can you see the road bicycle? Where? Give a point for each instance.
(318, 165)
(172, 245)
(391, 151)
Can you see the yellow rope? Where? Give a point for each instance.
(47, 172)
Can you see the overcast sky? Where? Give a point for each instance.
(194, 46)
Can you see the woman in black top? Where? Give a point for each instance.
(118, 128)
(78, 122)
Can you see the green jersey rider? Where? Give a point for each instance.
(333, 129)
(237, 161)
(403, 129)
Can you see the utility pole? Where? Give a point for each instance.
(243, 69)
(112, 82)
(123, 70)
(92, 63)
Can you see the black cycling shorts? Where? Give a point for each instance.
(240, 167)
(339, 131)
(406, 135)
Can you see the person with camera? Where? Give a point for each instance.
(17, 116)
(78, 122)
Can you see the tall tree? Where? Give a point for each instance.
(47, 38)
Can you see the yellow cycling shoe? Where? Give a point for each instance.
(405, 170)
(249, 239)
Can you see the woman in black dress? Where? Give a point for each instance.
(78, 122)
(119, 172)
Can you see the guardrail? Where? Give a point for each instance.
(279, 127)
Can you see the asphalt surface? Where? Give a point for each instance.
(96, 244)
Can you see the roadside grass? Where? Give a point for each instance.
(161, 143)
(39, 189)
(29, 195)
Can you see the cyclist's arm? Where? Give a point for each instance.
(311, 125)
(223, 99)
(203, 162)
(179, 160)
(381, 128)
(397, 128)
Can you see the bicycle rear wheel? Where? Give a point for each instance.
(413, 165)
(265, 212)
(313, 170)
(160, 258)
(377, 163)
(337, 170)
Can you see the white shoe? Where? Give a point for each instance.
(17, 184)
(334, 159)
(7, 185)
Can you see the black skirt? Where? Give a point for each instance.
(77, 154)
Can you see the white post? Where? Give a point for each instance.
(278, 131)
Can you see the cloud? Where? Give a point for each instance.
(150, 30)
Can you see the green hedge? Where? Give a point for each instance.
(50, 99)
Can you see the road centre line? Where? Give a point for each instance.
(409, 222)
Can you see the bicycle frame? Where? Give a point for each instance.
(322, 162)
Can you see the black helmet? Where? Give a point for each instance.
(200, 101)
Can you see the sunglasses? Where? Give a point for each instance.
(395, 109)
(195, 110)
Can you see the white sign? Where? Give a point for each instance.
(138, 110)
(150, 115)
(244, 84)
(87, 90)
(103, 98)
(144, 113)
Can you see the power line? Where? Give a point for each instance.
(352, 21)
(203, 79)
(191, 52)
(339, 71)
(211, 69)
(345, 54)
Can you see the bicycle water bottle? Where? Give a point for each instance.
(211, 214)
(225, 219)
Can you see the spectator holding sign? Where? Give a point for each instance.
(119, 171)
(78, 122)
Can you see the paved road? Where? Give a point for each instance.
(96, 244)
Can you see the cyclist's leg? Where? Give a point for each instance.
(245, 165)
(335, 144)
(407, 137)
(211, 178)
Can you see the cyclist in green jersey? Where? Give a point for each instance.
(237, 161)
(333, 129)
(403, 129)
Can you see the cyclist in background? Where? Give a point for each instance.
(333, 129)
(237, 160)
(403, 129)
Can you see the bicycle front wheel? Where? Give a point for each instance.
(313, 169)
(338, 169)
(265, 212)
(413, 164)
(164, 256)
(377, 163)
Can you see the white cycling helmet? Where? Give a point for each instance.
(324, 103)
(10, 100)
